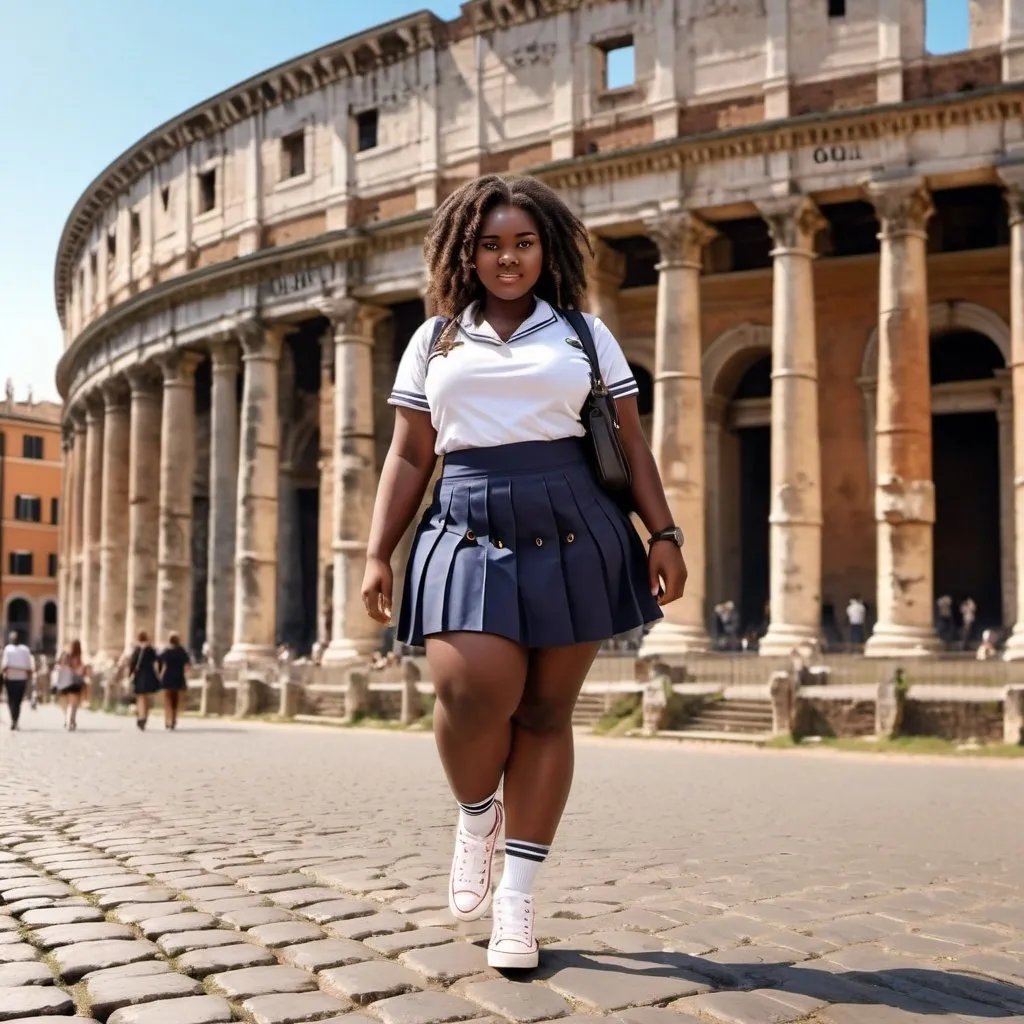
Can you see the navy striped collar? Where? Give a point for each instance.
(542, 316)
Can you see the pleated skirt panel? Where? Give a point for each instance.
(521, 541)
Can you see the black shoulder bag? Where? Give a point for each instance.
(601, 421)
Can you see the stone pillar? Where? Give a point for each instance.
(795, 515)
(353, 632)
(77, 495)
(325, 557)
(177, 467)
(290, 617)
(92, 508)
(114, 523)
(220, 579)
(678, 432)
(256, 508)
(64, 537)
(904, 490)
(1014, 179)
(143, 504)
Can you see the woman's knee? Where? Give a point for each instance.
(544, 717)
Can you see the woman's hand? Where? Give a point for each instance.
(667, 571)
(378, 582)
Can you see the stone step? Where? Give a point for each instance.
(713, 736)
(737, 714)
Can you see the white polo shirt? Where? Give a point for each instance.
(485, 392)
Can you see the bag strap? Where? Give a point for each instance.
(578, 322)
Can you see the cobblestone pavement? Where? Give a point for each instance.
(288, 874)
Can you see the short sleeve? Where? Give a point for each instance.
(618, 377)
(410, 379)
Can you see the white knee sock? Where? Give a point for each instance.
(522, 862)
(478, 819)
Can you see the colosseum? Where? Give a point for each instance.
(809, 237)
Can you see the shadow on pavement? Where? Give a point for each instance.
(915, 990)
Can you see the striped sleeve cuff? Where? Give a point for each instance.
(410, 400)
(623, 388)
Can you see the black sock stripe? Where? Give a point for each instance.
(537, 858)
(481, 808)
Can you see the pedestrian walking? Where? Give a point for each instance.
(143, 673)
(856, 615)
(525, 562)
(17, 673)
(172, 668)
(72, 682)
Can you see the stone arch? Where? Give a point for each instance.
(722, 352)
(943, 316)
(19, 614)
(722, 366)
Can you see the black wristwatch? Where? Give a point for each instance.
(672, 533)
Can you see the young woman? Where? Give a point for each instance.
(142, 672)
(523, 565)
(174, 661)
(72, 681)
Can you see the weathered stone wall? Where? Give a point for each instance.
(835, 718)
(953, 721)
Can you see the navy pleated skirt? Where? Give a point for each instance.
(521, 541)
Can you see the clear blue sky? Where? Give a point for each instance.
(82, 80)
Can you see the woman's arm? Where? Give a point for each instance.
(648, 491)
(407, 468)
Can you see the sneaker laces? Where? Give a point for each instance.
(471, 861)
(513, 917)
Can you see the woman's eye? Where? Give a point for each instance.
(489, 246)
(525, 244)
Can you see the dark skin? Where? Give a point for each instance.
(502, 709)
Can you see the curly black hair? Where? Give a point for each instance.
(452, 236)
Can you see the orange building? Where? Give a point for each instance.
(31, 467)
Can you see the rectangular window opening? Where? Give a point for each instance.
(92, 264)
(54, 511)
(27, 509)
(165, 197)
(293, 155)
(111, 245)
(31, 447)
(51, 565)
(207, 191)
(366, 130)
(618, 64)
(19, 563)
(135, 230)
(837, 8)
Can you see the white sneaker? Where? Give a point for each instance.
(512, 943)
(469, 885)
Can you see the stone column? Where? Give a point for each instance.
(1014, 180)
(92, 508)
(114, 522)
(678, 431)
(256, 508)
(143, 504)
(64, 538)
(325, 557)
(353, 632)
(904, 490)
(77, 495)
(177, 467)
(220, 580)
(795, 515)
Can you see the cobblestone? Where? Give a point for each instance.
(784, 901)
